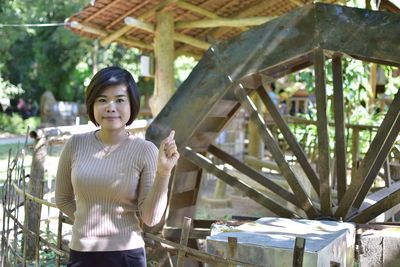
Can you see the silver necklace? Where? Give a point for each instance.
(107, 150)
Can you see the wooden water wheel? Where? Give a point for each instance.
(231, 71)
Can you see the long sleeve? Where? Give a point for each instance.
(65, 199)
(153, 189)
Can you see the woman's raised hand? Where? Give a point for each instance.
(167, 155)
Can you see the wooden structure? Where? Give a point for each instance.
(169, 28)
(231, 71)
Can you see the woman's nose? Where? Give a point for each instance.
(111, 106)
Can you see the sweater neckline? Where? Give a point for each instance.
(107, 150)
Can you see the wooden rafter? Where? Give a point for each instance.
(102, 33)
(132, 22)
(277, 154)
(264, 200)
(101, 10)
(111, 37)
(197, 9)
(290, 138)
(130, 11)
(297, 2)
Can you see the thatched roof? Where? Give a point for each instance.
(107, 16)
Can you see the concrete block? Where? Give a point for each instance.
(270, 242)
(380, 248)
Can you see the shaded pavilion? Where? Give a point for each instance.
(170, 28)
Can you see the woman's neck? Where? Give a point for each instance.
(112, 137)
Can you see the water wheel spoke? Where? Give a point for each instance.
(207, 165)
(277, 153)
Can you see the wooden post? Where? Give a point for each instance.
(35, 188)
(298, 251)
(187, 222)
(164, 55)
(232, 249)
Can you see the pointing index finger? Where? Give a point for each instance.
(171, 134)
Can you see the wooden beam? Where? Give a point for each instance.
(257, 196)
(254, 175)
(196, 9)
(340, 145)
(113, 36)
(127, 13)
(277, 153)
(368, 168)
(132, 22)
(191, 41)
(222, 22)
(323, 138)
(290, 138)
(101, 9)
(297, 2)
(102, 33)
(390, 198)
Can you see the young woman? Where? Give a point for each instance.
(107, 177)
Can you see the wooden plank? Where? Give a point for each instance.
(391, 197)
(187, 223)
(277, 154)
(256, 176)
(323, 138)
(175, 232)
(232, 249)
(340, 142)
(290, 138)
(257, 196)
(298, 251)
(338, 23)
(223, 108)
(373, 160)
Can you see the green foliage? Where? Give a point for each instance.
(9, 90)
(16, 125)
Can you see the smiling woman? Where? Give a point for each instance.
(108, 179)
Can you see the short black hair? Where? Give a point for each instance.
(112, 76)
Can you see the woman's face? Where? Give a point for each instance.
(112, 108)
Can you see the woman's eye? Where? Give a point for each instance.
(120, 100)
(101, 100)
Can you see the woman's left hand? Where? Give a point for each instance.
(167, 155)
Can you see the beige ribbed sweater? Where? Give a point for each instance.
(103, 194)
